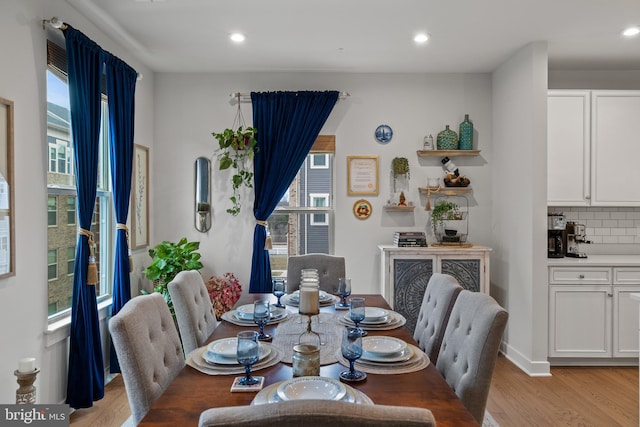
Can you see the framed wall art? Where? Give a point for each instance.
(140, 197)
(7, 214)
(362, 175)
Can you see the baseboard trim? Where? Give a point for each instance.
(532, 368)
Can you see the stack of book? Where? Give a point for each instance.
(409, 238)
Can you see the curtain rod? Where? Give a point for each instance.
(246, 97)
(58, 24)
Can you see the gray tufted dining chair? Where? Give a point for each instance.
(330, 269)
(470, 348)
(437, 304)
(317, 413)
(148, 348)
(194, 312)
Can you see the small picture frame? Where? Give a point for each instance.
(7, 213)
(140, 198)
(362, 175)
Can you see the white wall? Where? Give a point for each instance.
(519, 183)
(23, 298)
(191, 106)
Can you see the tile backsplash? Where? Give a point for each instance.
(605, 226)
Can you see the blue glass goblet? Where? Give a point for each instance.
(357, 313)
(247, 353)
(344, 289)
(278, 290)
(352, 350)
(261, 315)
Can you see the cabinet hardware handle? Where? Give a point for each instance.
(609, 295)
(581, 276)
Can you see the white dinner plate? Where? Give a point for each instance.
(227, 358)
(402, 356)
(373, 314)
(317, 388)
(323, 296)
(245, 312)
(383, 346)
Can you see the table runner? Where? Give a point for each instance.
(288, 334)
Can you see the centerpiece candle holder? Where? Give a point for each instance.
(309, 305)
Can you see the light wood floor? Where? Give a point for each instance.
(572, 396)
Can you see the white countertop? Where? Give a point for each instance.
(597, 260)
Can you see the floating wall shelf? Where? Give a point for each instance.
(447, 153)
(392, 208)
(446, 191)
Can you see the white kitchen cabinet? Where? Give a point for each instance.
(568, 147)
(591, 153)
(615, 148)
(591, 314)
(626, 280)
(405, 272)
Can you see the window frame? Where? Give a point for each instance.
(319, 196)
(56, 64)
(312, 163)
(50, 264)
(324, 144)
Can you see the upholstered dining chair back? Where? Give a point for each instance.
(194, 312)
(148, 348)
(330, 269)
(317, 413)
(437, 304)
(470, 348)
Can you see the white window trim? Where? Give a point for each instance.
(312, 197)
(313, 165)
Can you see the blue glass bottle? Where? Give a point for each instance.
(466, 134)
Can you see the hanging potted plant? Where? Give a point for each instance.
(237, 148)
(399, 167)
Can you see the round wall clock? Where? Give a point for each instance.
(384, 133)
(362, 209)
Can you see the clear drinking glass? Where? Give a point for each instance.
(261, 315)
(352, 350)
(356, 313)
(278, 286)
(247, 354)
(344, 289)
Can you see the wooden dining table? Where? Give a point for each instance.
(191, 392)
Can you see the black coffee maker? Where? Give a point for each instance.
(556, 230)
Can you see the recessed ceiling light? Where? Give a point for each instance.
(237, 37)
(421, 38)
(631, 31)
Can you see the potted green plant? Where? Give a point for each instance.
(167, 260)
(444, 210)
(237, 147)
(400, 166)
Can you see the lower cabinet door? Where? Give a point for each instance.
(625, 321)
(580, 321)
(468, 271)
(410, 278)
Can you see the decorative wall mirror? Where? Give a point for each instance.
(203, 194)
(7, 237)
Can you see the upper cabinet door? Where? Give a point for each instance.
(615, 148)
(568, 146)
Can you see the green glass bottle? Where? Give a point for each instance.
(447, 139)
(466, 134)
